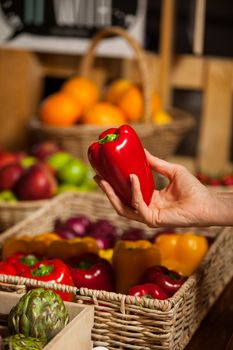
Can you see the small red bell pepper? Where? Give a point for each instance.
(148, 290)
(116, 155)
(22, 262)
(91, 271)
(169, 281)
(55, 271)
(7, 269)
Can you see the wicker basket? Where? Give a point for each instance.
(125, 322)
(161, 140)
(12, 213)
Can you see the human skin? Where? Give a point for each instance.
(184, 202)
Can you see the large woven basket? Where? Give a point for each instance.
(161, 140)
(125, 322)
(12, 213)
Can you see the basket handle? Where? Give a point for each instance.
(87, 61)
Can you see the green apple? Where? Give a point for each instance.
(7, 196)
(88, 183)
(84, 188)
(73, 172)
(59, 159)
(28, 161)
(66, 187)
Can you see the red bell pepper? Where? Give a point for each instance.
(22, 262)
(55, 271)
(169, 281)
(148, 290)
(7, 269)
(116, 155)
(91, 271)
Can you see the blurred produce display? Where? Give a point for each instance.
(81, 101)
(41, 173)
(225, 180)
(93, 254)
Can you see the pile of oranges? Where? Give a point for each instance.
(79, 101)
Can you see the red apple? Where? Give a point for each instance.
(45, 149)
(20, 155)
(9, 175)
(203, 178)
(214, 182)
(227, 180)
(37, 182)
(6, 158)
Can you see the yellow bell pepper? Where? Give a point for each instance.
(49, 245)
(14, 245)
(38, 244)
(67, 248)
(130, 260)
(182, 252)
(106, 254)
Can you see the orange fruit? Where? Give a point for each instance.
(84, 90)
(104, 113)
(131, 103)
(161, 118)
(156, 102)
(60, 109)
(116, 89)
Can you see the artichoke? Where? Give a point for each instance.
(40, 313)
(20, 342)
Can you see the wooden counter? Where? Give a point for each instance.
(216, 329)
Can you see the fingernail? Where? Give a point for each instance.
(131, 176)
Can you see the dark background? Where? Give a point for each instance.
(218, 41)
(218, 26)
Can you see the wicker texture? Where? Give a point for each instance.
(12, 213)
(161, 140)
(125, 322)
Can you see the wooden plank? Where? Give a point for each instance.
(20, 90)
(188, 72)
(58, 65)
(216, 329)
(199, 27)
(216, 123)
(189, 162)
(166, 50)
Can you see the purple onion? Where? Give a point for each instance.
(78, 225)
(72, 228)
(133, 234)
(104, 233)
(65, 233)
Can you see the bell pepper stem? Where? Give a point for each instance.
(43, 270)
(29, 260)
(108, 138)
(84, 264)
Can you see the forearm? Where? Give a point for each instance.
(221, 209)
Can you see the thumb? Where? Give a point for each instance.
(161, 166)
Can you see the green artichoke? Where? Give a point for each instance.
(40, 313)
(20, 342)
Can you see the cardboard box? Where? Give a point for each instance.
(75, 336)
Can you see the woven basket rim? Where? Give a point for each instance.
(181, 118)
(146, 303)
(23, 204)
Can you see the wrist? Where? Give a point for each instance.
(220, 210)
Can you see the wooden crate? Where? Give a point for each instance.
(75, 336)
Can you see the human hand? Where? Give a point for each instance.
(184, 202)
